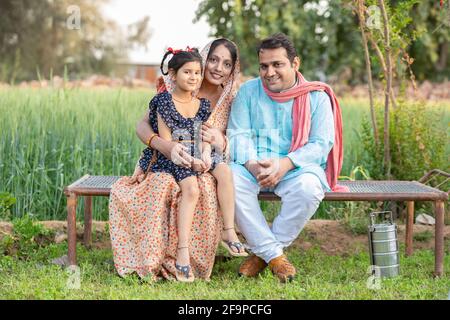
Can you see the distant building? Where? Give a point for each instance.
(142, 71)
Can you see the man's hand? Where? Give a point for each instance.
(254, 167)
(273, 170)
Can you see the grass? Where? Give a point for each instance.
(319, 277)
(51, 137)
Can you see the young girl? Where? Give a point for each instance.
(180, 116)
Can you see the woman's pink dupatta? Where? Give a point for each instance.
(301, 117)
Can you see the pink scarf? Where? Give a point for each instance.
(301, 116)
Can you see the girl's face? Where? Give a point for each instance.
(189, 76)
(219, 66)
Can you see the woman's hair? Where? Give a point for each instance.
(229, 45)
(180, 57)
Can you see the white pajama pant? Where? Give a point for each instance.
(300, 198)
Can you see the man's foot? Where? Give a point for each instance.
(282, 268)
(252, 266)
(231, 243)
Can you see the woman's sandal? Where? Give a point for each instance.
(183, 273)
(236, 244)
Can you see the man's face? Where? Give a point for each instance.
(275, 69)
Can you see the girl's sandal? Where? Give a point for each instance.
(184, 273)
(236, 244)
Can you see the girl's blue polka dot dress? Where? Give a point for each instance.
(182, 129)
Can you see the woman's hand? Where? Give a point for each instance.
(213, 136)
(138, 175)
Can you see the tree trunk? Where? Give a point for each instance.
(360, 12)
(387, 154)
(443, 54)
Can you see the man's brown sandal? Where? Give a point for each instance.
(252, 266)
(282, 268)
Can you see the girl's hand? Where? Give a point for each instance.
(178, 154)
(206, 158)
(137, 177)
(213, 136)
(198, 165)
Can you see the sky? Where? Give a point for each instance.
(170, 25)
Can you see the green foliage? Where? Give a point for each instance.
(417, 142)
(28, 235)
(50, 138)
(354, 216)
(423, 236)
(38, 37)
(322, 31)
(319, 277)
(358, 173)
(27, 229)
(430, 50)
(6, 202)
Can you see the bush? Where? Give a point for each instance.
(354, 216)
(28, 235)
(6, 202)
(417, 142)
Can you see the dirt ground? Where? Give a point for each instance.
(332, 237)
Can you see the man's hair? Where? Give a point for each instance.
(279, 40)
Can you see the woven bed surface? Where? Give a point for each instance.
(97, 182)
(105, 182)
(386, 187)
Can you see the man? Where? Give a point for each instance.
(281, 132)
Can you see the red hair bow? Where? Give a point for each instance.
(171, 50)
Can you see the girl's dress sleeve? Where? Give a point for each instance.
(166, 109)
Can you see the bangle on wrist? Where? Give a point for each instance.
(149, 141)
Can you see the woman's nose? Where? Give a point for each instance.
(219, 66)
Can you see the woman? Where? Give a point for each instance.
(143, 208)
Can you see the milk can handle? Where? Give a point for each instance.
(374, 214)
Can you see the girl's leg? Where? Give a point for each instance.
(189, 198)
(225, 194)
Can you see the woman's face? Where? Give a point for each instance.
(219, 66)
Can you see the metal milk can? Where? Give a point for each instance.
(383, 245)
